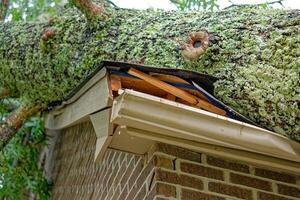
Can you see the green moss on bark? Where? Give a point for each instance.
(254, 52)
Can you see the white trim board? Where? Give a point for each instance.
(174, 120)
(92, 97)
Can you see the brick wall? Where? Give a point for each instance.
(166, 172)
(76, 176)
(186, 175)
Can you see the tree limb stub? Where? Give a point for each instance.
(14, 122)
(88, 8)
(197, 43)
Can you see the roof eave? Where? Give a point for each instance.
(167, 118)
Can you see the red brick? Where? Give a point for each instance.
(142, 193)
(162, 189)
(111, 155)
(137, 170)
(120, 174)
(104, 193)
(127, 173)
(122, 156)
(137, 158)
(163, 162)
(146, 171)
(112, 176)
(132, 192)
(129, 157)
(284, 177)
(195, 195)
(180, 179)
(288, 190)
(116, 194)
(160, 198)
(230, 190)
(201, 171)
(107, 174)
(176, 151)
(219, 162)
(250, 182)
(151, 195)
(123, 193)
(109, 195)
(166, 190)
(266, 196)
(116, 157)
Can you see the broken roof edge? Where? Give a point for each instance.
(187, 74)
(185, 122)
(95, 92)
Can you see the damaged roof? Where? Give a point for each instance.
(177, 100)
(199, 82)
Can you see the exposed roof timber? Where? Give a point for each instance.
(141, 85)
(198, 79)
(204, 80)
(155, 86)
(177, 92)
(150, 113)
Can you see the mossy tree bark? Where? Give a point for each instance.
(254, 53)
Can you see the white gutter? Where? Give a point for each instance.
(168, 118)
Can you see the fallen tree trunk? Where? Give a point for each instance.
(254, 53)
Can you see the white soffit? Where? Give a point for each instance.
(146, 112)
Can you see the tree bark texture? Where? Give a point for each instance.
(14, 122)
(254, 52)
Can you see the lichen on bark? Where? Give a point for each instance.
(254, 53)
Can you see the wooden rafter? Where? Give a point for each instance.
(169, 78)
(193, 100)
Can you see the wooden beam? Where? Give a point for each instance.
(115, 82)
(169, 78)
(177, 92)
(141, 86)
(210, 107)
(171, 97)
(164, 86)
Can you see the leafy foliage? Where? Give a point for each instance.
(27, 10)
(195, 4)
(20, 174)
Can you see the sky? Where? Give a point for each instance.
(166, 5)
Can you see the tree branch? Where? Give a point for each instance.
(3, 9)
(88, 8)
(14, 122)
(259, 4)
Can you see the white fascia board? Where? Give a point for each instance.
(92, 97)
(146, 112)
